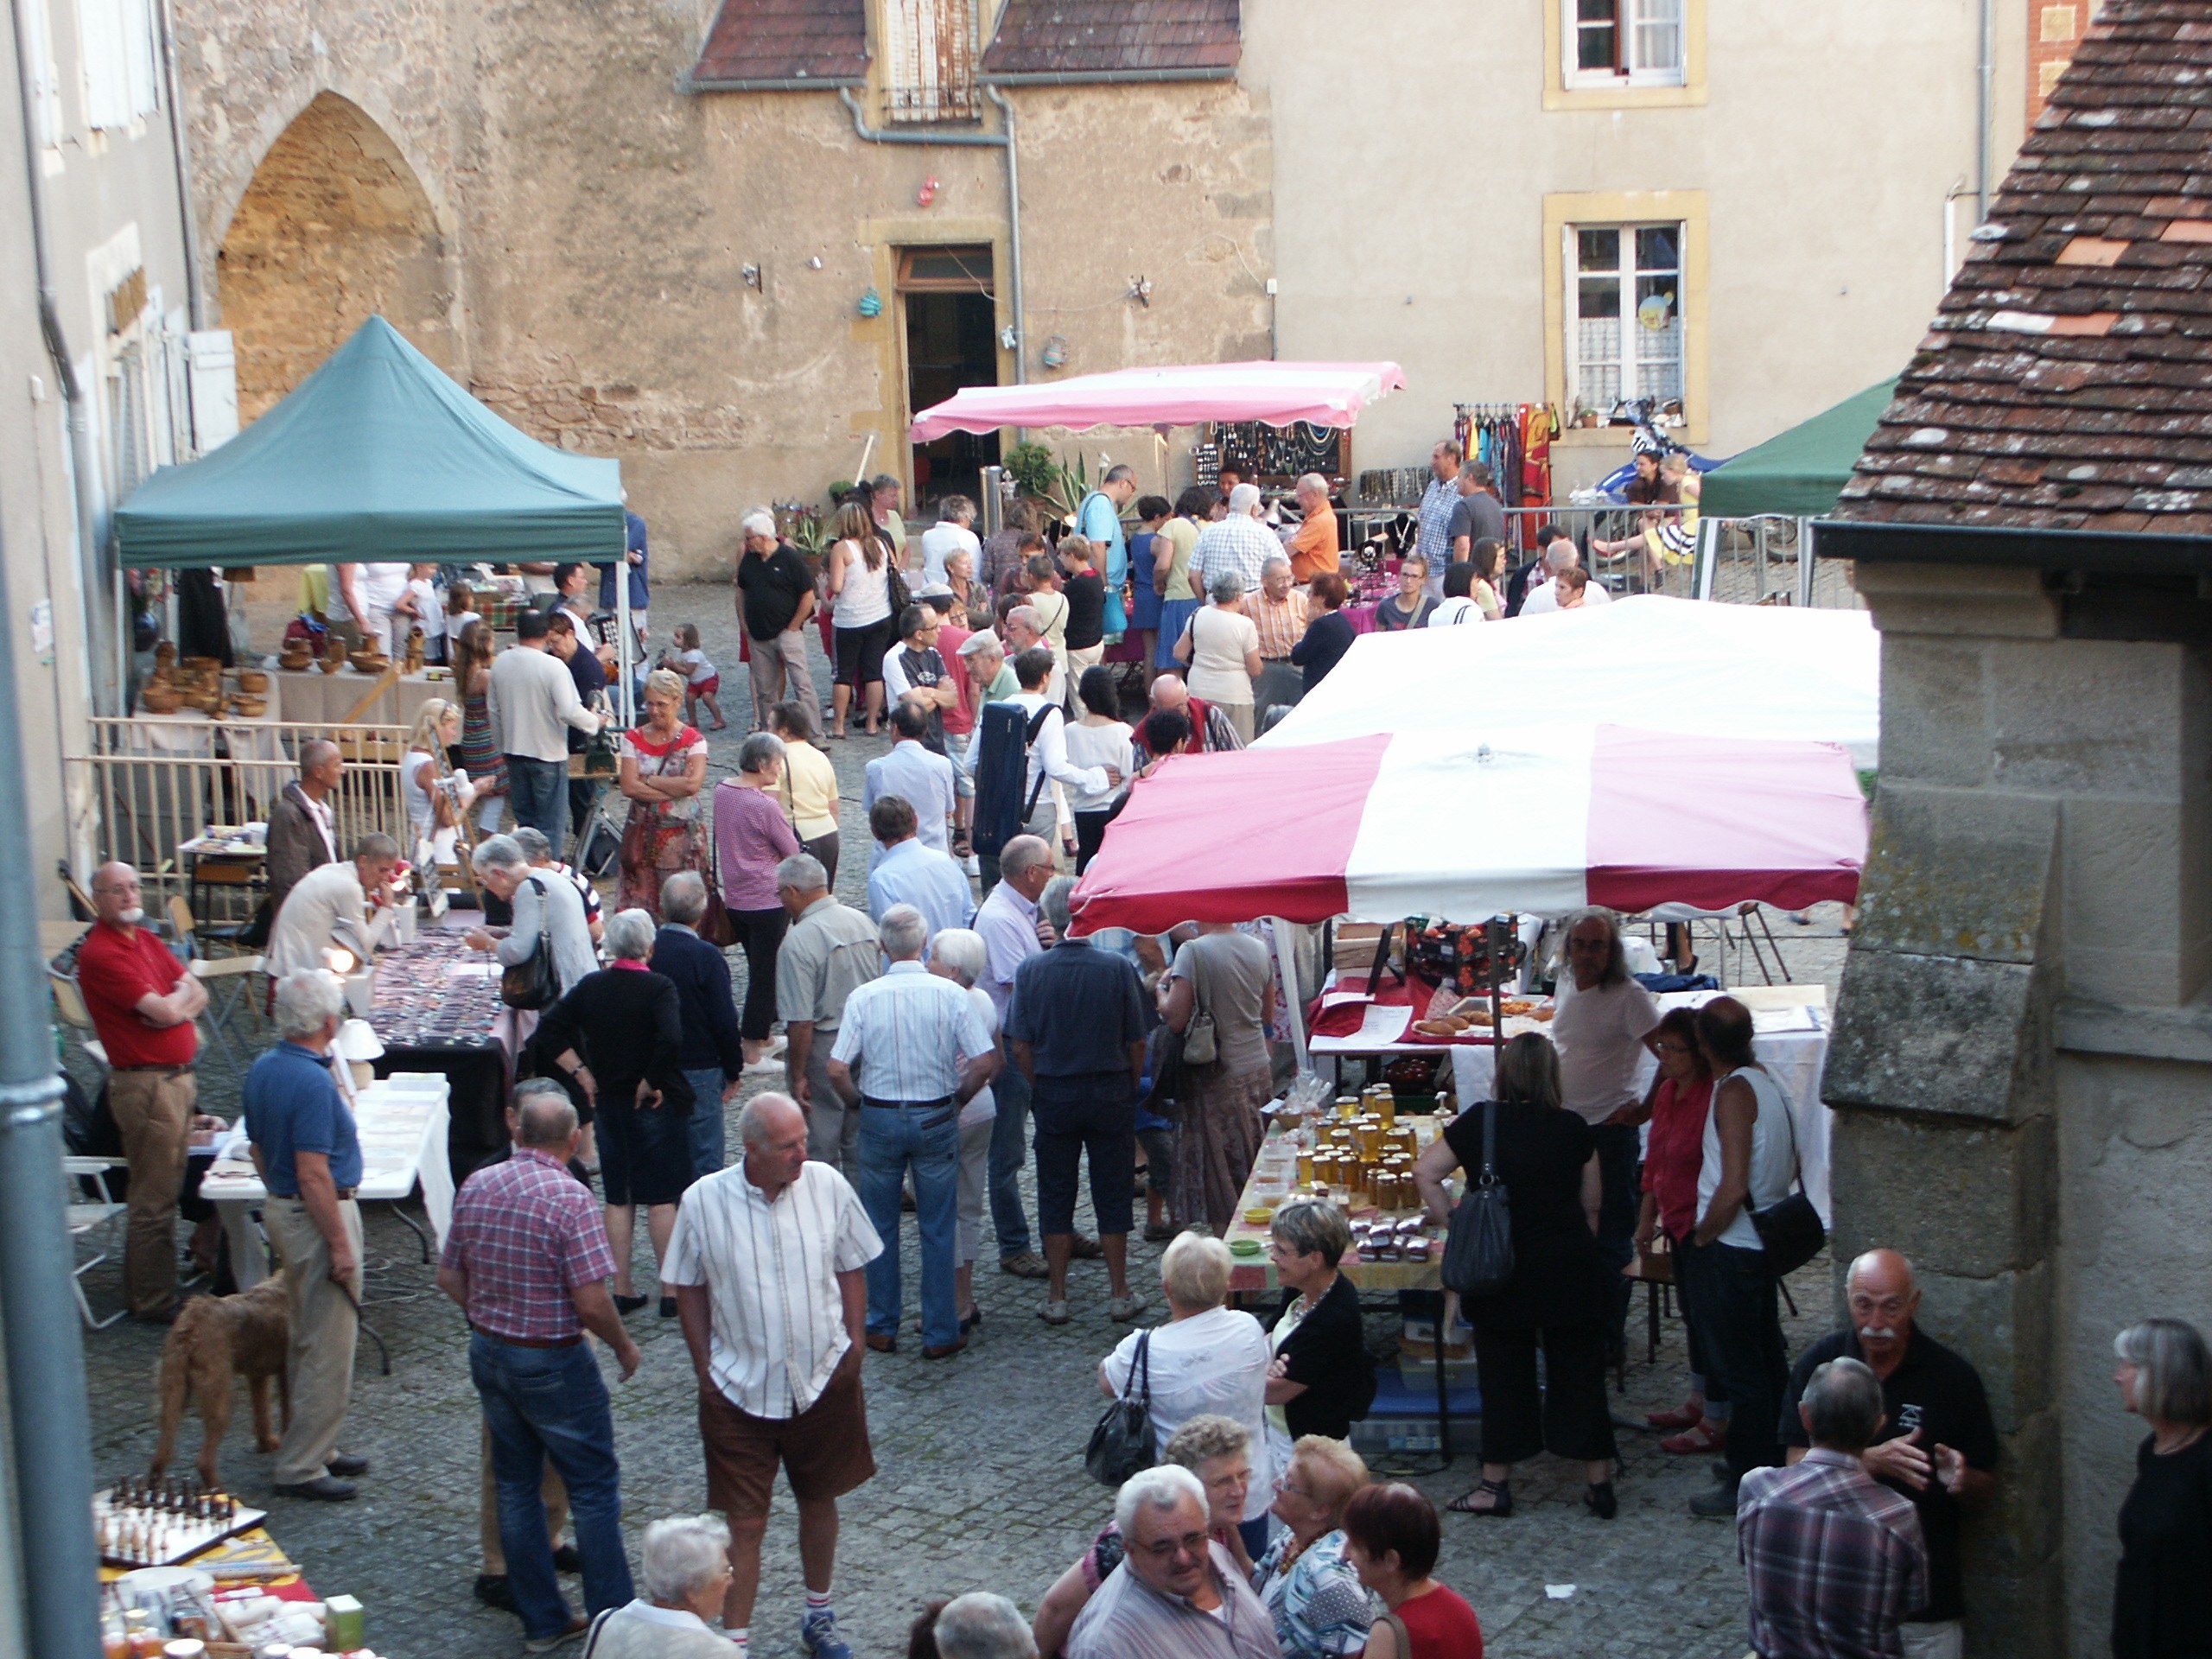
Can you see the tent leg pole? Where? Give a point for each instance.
(624, 643)
(1293, 1016)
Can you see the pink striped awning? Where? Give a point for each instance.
(1277, 394)
(1443, 824)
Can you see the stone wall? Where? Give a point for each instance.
(595, 224)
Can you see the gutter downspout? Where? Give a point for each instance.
(1004, 141)
(1985, 110)
(195, 304)
(81, 449)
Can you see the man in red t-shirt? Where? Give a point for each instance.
(144, 1003)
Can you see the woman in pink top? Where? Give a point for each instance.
(1679, 1103)
(752, 836)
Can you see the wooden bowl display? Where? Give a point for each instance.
(252, 682)
(161, 699)
(248, 707)
(202, 663)
(205, 701)
(371, 662)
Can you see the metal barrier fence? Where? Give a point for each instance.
(154, 784)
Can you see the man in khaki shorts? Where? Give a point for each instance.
(767, 1263)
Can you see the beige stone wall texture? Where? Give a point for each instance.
(572, 240)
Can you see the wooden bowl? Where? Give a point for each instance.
(371, 662)
(161, 699)
(250, 708)
(252, 681)
(215, 663)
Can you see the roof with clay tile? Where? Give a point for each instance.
(2066, 383)
(773, 42)
(1075, 38)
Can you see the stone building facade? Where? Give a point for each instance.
(2023, 1050)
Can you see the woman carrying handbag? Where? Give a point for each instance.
(1217, 996)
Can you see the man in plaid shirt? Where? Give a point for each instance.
(527, 1258)
(1834, 1560)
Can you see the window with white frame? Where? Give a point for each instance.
(1624, 43)
(45, 81)
(1624, 328)
(120, 50)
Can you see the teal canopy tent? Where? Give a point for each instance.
(1797, 473)
(378, 455)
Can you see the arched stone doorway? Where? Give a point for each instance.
(333, 228)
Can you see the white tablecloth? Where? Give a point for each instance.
(319, 699)
(402, 1122)
(1795, 1057)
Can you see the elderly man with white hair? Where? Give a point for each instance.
(767, 1262)
(347, 908)
(1313, 547)
(910, 1053)
(980, 1625)
(547, 905)
(775, 598)
(687, 1573)
(309, 1153)
(1177, 1594)
(1239, 542)
(1545, 596)
(1278, 613)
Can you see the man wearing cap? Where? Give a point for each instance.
(1239, 542)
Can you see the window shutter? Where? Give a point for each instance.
(212, 372)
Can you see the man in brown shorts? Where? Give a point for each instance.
(767, 1263)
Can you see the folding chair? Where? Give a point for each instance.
(69, 1004)
(81, 902)
(238, 972)
(86, 1216)
(196, 939)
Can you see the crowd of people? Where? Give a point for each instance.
(955, 1030)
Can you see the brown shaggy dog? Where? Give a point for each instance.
(215, 1338)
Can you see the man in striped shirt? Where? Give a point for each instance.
(766, 1262)
(1835, 1560)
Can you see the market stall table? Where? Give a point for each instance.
(437, 1009)
(313, 698)
(253, 741)
(231, 860)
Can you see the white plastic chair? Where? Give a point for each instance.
(87, 1216)
(69, 1004)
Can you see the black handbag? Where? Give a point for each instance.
(1122, 1444)
(1479, 1248)
(529, 983)
(1790, 1232)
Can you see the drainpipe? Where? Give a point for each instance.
(1985, 110)
(195, 306)
(82, 452)
(1004, 141)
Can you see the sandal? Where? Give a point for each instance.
(1700, 1440)
(1500, 1493)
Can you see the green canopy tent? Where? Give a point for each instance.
(1797, 473)
(378, 455)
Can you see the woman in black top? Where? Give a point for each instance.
(1328, 631)
(619, 1033)
(1321, 1380)
(1547, 1159)
(2162, 1594)
(1085, 591)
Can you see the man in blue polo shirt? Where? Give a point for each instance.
(1077, 1027)
(309, 1156)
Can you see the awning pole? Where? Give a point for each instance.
(623, 644)
(1286, 961)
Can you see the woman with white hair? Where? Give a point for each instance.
(663, 769)
(686, 1575)
(545, 904)
(958, 954)
(2162, 1594)
(1207, 1360)
(1221, 646)
(618, 1035)
(1321, 1609)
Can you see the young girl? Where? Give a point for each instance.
(427, 609)
(702, 680)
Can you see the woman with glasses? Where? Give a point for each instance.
(1218, 1450)
(1321, 1608)
(1672, 1158)
(1321, 1380)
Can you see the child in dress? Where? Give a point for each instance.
(426, 605)
(702, 680)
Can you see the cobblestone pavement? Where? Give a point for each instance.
(980, 1483)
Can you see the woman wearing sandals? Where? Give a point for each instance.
(1558, 1296)
(1672, 1162)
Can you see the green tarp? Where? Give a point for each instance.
(1800, 472)
(377, 455)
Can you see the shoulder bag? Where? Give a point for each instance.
(1478, 1249)
(1201, 1038)
(530, 983)
(1791, 1231)
(1120, 1445)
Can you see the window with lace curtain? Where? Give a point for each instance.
(929, 53)
(1625, 333)
(1624, 42)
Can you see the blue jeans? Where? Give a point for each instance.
(541, 1403)
(929, 1139)
(710, 1149)
(539, 790)
(1009, 1152)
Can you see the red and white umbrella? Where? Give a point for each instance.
(1441, 824)
(1276, 394)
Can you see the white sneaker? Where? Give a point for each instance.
(1053, 1313)
(972, 865)
(1122, 1309)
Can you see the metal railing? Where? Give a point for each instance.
(154, 785)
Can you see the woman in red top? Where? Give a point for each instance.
(1391, 1538)
(1671, 1160)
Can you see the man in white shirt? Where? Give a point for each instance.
(767, 1263)
(1239, 542)
(532, 696)
(573, 583)
(954, 514)
(348, 907)
(1560, 555)
(1012, 932)
(910, 1053)
(1604, 1029)
(924, 780)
